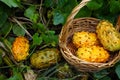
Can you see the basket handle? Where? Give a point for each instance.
(76, 10)
(69, 20)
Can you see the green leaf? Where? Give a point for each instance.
(114, 6)
(30, 11)
(100, 74)
(6, 28)
(61, 3)
(3, 18)
(11, 3)
(49, 3)
(32, 14)
(95, 4)
(58, 18)
(18, 30)
(36, 39)
(84, 12)
(35, 17)
(68, 5)
(117, 70)
(2, 77)
(65, 7)
(50, 32)
(41, 27)
(111, 18)
(17, 75)
(50, 38)
(106, 78)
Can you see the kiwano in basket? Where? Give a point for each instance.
(85, 38)
(93, 54)
(108, 35)
(89, 47)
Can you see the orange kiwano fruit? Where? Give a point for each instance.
(20, 48)
(93, 54)
(84, 38)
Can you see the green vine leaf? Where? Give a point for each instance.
(84, 12)
(41, 27)
(16, 75)
(11, 3)
(31, 13)
(6, 28)
(3, 18)
(18, 30)
(106, 78)
(114, 6)
(58, 18)
(49, 37)
(95, 4)
(117, 70)
(36, 39)
(2, 77)
(49, 3)
(101, 74)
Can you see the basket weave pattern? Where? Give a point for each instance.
(68, 49)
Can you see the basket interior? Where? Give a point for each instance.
(83, 24)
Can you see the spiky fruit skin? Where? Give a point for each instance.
(84, 38)
(93, 54)
(45, 58)
(20, 48)
(108, 36)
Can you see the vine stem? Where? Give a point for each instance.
(40, 13)
(22, 27)
(6, 59)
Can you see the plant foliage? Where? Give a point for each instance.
(41, 22)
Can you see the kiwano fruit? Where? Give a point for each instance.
(20, 48)
(45, 58)
(108, 35)
(93, 54)
(84, 38)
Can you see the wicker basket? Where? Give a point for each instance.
(67, 48)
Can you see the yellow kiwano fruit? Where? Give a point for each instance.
(84, 38)
(45, 58)
(20, 48)
(108, 35)
(93, 54)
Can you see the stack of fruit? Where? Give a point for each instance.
(96, 46)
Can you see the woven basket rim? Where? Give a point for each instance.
(79, 64)
(65, 50)
(87, 62)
